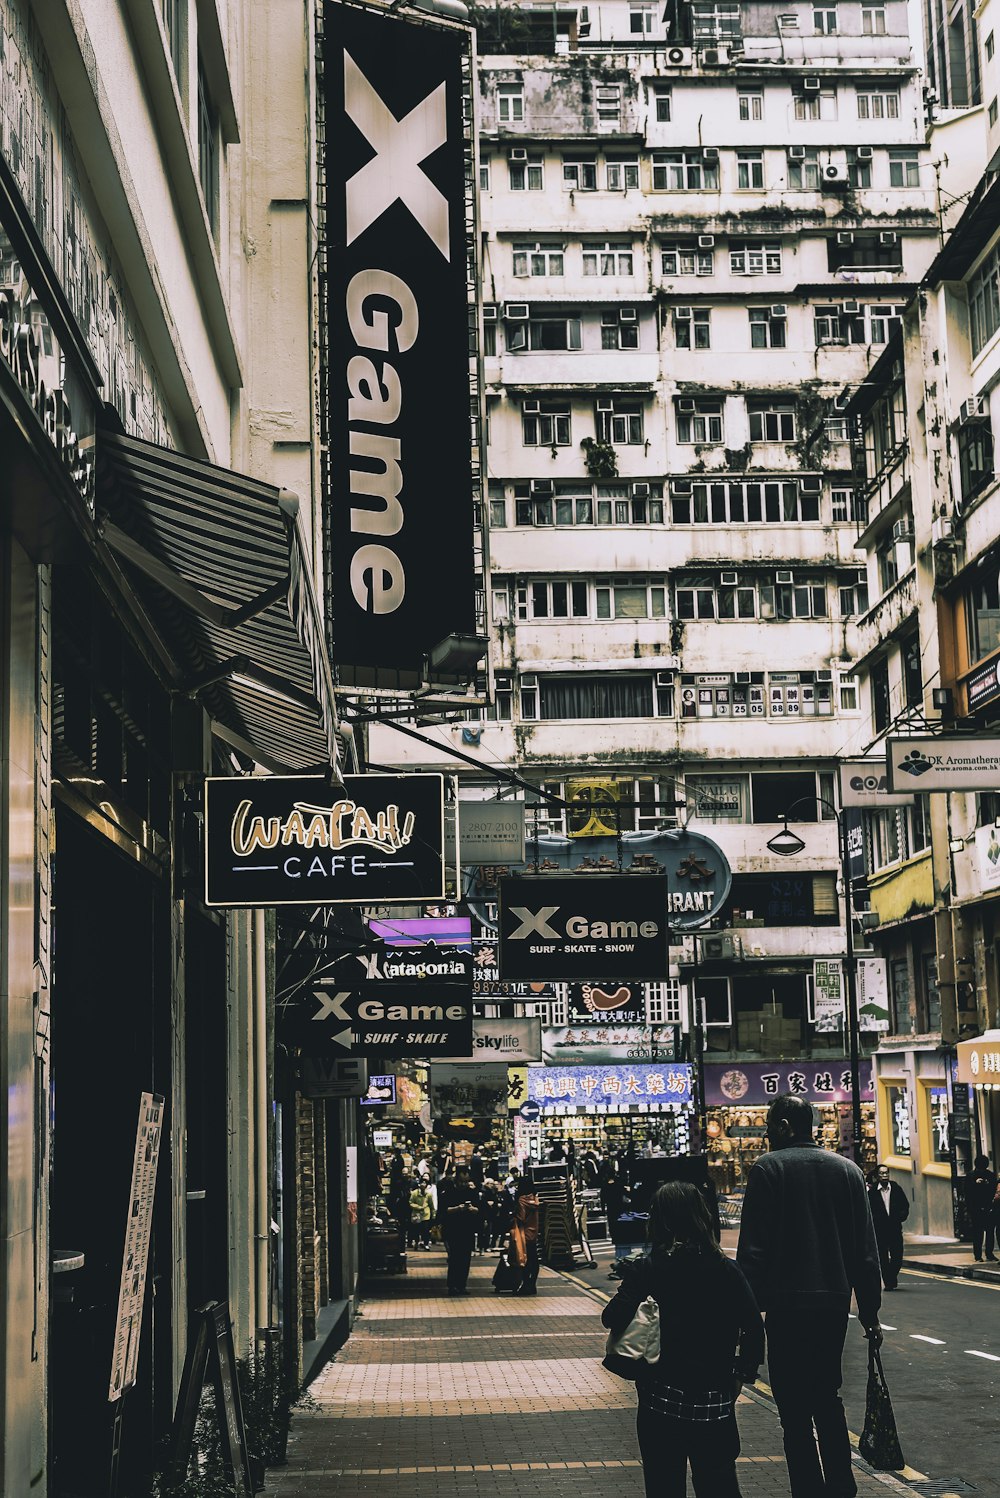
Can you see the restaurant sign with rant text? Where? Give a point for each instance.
(298, 840)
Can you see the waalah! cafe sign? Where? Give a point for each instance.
(297, 840)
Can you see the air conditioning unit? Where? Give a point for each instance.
(710, 153)
(903, 530)
(490, 312)
(796, 153)
(531, 408)
(714, 57)
(720, 947)
(503, 683)
(810, 483)
(681, 488)
(779, 310)
(686, 407)
(640, 491)
(529, 680)
(517, 153)
(515, 311)
(706, 241)
(627, 314)
(942, 530)
(742, 678)
(851, 309)
(974, 409)
(783, 577)
(729, 579)
(679, 57)
(835, 176)
(845, 237)
(605, 405)
(824, 675)
(683, 314)
(864, 153)
(811, 85)
(888, 236)
(664, 678)
(541, 488)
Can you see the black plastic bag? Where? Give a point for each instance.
(879, 1444)
(507, 1276)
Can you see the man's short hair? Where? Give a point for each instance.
(796, 1111)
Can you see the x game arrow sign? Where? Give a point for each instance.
(390, 1019)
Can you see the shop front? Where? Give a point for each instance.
(647, 1107)
(737, 1098)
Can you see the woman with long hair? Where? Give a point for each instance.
(711, 1343)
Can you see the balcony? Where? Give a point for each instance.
(886, 617)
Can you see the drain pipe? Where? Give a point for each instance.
(262, 1215)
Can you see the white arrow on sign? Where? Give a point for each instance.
(332, 1006)
(344, 1038)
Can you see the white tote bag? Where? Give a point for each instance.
(638, 1346)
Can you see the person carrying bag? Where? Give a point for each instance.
(879, 1444)
(702, 1343)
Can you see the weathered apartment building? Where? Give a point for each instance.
(699, 226)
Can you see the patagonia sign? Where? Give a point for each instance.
(297, 840)
(398, 507)
(584, 927)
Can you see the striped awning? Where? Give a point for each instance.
(222, 571)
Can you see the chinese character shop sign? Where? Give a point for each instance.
(753, 1083)
(296, 840)
(552, 1086)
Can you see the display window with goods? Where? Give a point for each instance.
(736, 1138)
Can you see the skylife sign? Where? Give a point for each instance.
(399, 505)
(588, 927)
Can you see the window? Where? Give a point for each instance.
(571, 504)
(859, 168)
(975, 456)
(717, 798)
(803, 172)
(755, 257)
(663, 1002)
(630, 598)
(844, 504)
(641, 20)
(865, 251)
(538, 259)
(749, 170)
(904, 169)
(174, 24)
(484, 176)
(686, 259)
(619, 422)
(750, 102)
(993, 113)
(622, 173)
(662, 103)
(694, 599)
(766, 329)
(873, 20)
(739, 502)
(896, 1098)
(510, 103)
(545, 424)
(984, 301)
(802, 598)
(848, 689)
(616, 333)
(622, 695)
(699, 421)
(580, 175)
(883, 105)
(693, 329)
(853, 594)
(615, 507)
(498, 508)
(685, 171)
(526, 176)
(815, 106)
(716, 20)
(609, 104)
(551, 600)
(490, 337)
(827, 326)
(544, 333)
(771, 423)
(890, 556)
(835, 428)
(774, 793)
(208, 151)
(913, 679)
(982, 607)
(990, 47)
(824, 20)
(608, 259)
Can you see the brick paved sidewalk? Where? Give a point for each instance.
(490, 1397)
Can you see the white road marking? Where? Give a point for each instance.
(937, 1341)
(990, 1355)
(887, 1328)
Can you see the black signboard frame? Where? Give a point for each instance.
(210, 1342)
(398, 509)
(620, 901)
(376, 855)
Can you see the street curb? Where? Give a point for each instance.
(954, 1271)
(888, 1480)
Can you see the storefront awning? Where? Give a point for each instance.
(225, 579)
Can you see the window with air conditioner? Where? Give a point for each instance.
(545, 334)
(580, 175)
(739, 502)
(755, 258)
(685, 171)
(864, 252)
(859, 168)
(701, 424)
(693, 331)
(630, 598)
(527, 175)
(804, 174)
(818, 105)
(547, 426)
(975, 457)
(554, 600)
(982, 610)
(686, 258)
(616, 334)
(539, 259)
(622, 425)
(766, 329)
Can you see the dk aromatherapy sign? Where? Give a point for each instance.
(590, 927)
(296, 840)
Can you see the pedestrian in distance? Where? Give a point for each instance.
(458, 1213)
(420, 1214)
(807, 1242)
(980, 1193)
(524, 1235)
(712, 1343)
(488, 1211)
(890, 1209)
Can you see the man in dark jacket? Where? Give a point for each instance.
(806, 1242)
(890, 1209)
(980, 1191)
